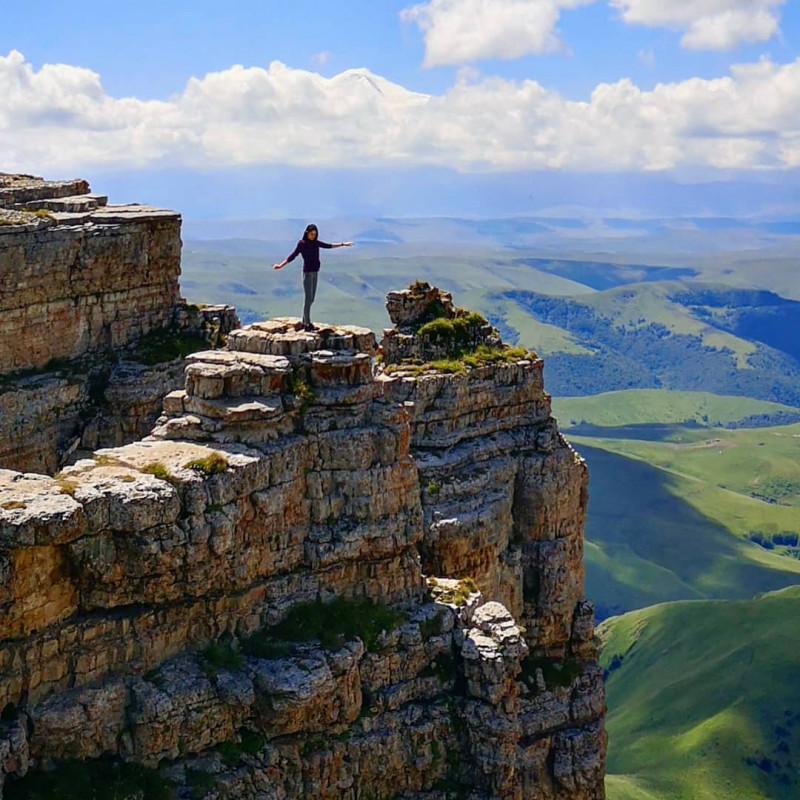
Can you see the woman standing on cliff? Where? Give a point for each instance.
(308, 247)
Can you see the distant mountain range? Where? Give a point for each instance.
(284, 192)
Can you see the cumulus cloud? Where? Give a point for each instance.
(707, 24)
(460, 31)
(463, 31)
(59, 120)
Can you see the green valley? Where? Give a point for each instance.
(704, 701)
(655, 535)
(635, 407)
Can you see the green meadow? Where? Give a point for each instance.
(704, 701)
(653, 535)
(679, 509)
(660, 407)
(760, 463)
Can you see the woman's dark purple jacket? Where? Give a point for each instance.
(310, 252)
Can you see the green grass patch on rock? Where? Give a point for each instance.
(157, 469)
(210, 465)
(556, 673)
(165, 344)
(101, 779)
(454, 593)
(220, 655)
(303, 391)
(11, 505)
(481, 356)
(443, 668)
(332, 624)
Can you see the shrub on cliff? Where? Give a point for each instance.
(101, 779)
(303, 392)
(457, 335)
(210, 465)
(332, 623)
(164, 344)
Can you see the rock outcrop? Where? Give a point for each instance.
(88, 291)
(306, 581)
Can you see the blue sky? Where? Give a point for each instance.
(150, 49)
(705, 88)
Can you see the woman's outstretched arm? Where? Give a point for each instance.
(328, 246)
(291, 257)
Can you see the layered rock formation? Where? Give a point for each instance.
(79, 275)
(82, 285)
(159, 599)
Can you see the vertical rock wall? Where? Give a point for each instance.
(503, 494)
(81, 283)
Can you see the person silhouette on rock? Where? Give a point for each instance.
(309, 247)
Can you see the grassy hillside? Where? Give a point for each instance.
(655, 535)
(760, 463)
(704, 701)
(663, 407)
(672, 335)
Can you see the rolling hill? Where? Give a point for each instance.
(676, 336)
(654, 535)
(704, 701)
(644, 409)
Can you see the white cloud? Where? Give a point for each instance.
(460, 31)
(59, 120)
(463, 31)
(707, 24)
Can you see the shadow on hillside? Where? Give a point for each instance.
(646, 544)
(601, 275)
(645, 431)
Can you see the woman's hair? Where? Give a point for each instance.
(308, 230)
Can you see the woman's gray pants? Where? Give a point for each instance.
(309, 292)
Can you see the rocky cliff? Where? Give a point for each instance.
(91, 320)
(308, 581)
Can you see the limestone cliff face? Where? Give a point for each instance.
(83, 279)
(503, 494)
(81, 284)
(145, 592)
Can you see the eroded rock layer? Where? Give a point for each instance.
(82, 285)
(82, 281)
(503, 494)
(146, 591)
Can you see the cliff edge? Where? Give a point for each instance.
(333, 569)
(91, 320)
